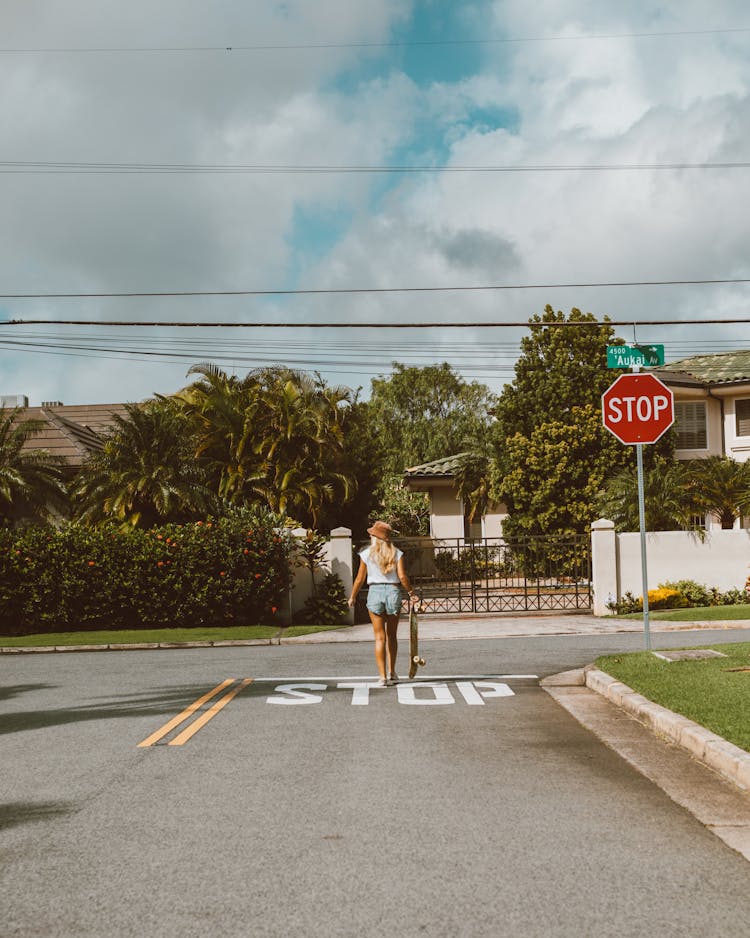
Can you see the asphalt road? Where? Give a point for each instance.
(475, 807)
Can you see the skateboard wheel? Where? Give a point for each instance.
(422, 662)
(416, 659)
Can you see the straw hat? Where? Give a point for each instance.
(382, 530)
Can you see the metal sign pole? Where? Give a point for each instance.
(644, 565)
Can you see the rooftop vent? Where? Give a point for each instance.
(52, 403)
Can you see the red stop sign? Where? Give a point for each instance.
(638, 408)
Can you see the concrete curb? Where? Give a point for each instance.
(731, 762)
(138, 646)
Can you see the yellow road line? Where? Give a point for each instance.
(188, 712)
(193, 728)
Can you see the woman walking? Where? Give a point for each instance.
(382, 566)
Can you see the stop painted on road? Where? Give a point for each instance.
(431, 693)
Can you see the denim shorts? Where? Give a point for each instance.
(384, 599)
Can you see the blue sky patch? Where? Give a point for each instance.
(314, 232)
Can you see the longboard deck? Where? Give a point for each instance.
(415, 661)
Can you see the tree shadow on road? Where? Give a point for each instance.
(27, 812)
(15, 690)
(155, 704)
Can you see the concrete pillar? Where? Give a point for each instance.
(603, 565)
(339, 560)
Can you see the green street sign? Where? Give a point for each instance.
(626, 356)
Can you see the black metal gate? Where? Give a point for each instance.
(533, 574)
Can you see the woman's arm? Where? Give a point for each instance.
(405, 581)
(359, 582)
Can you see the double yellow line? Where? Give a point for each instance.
(201, 721)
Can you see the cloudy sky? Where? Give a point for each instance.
(157, 148)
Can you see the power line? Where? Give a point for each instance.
(332, 291)
(524, 324)
(34, 167)
(394, 44)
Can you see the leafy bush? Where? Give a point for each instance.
(328, 606)
(681, 594)
(695, 593)
(227, 570)
(664, 598)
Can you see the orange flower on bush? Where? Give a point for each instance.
(160, 563)
(258, 576)
(246, 551)
(223, 573)
(92, 563)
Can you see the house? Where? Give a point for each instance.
(712, 418)
(448, 514)
(712, 404)
(70, 432)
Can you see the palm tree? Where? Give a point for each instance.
(145, 474)
(472, 477)
(275, 435)
(722, 488)
(668, 490)
(302, 443)
(31, 481)
(223, 411)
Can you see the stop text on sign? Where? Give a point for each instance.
(637, 408)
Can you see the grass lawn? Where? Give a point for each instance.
(695, 614)
(703, 691)
(138, 636)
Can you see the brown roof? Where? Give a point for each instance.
(73, 431)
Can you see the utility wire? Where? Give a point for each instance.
(394, 44)
(33, 167)
(331, 291)
(524, 324)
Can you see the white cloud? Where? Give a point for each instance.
(577, 102)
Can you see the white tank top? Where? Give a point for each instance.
(375, 574)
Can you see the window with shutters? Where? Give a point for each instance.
(742, 416)
(690, 423)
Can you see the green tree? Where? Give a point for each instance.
(721, 487)
(361, 460)
(146, 473)
(31, 481)
(421, 414)
(551, 482)
(550, 452)
(301, 443)
(668, 492)
(563, 364)
(224, 413)
(408, 513)
(275, 436)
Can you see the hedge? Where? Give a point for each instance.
(227, 570)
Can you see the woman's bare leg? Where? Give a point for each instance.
(391, 628)
(378, 624)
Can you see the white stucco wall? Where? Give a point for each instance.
(446, 513)
(721, 560)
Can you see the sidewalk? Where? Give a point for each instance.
(433, 628)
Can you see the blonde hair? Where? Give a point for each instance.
(383, 553)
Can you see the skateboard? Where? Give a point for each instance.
(414, 660)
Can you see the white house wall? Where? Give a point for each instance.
(446, 514)
(738, 447)
(713, 427)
